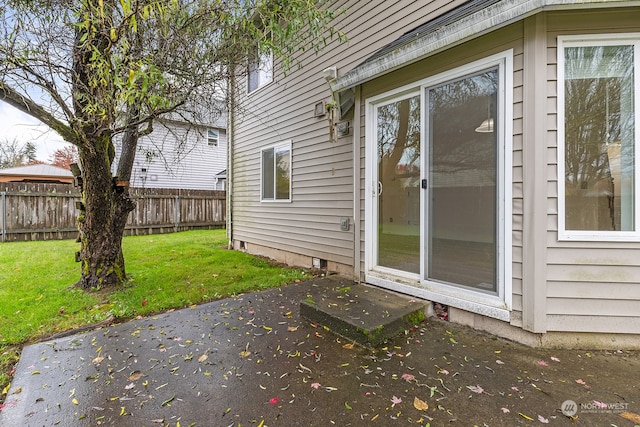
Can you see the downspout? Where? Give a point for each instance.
(230, 134)
(357, 261)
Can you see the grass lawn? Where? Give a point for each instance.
(166, 271)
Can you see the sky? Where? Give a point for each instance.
(24, 128)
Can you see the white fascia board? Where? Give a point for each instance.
(482, 22)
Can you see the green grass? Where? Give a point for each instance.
(166, 271)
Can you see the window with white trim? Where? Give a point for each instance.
(260, 71)
(212, 137)
(276, 172)
(598, 137)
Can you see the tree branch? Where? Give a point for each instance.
(27, 106)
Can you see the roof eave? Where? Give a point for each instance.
(475, 25)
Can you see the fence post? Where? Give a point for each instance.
(176, 214)
(3, 208)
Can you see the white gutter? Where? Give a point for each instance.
(482, 22)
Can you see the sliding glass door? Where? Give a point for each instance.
(398, 184)
(462, 202)
(435, 183)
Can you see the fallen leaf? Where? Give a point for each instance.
(395, 400)
(526, 417)
(475, 389)
(203, 358)
(292, 328)
(346, 405)
(543, 420)
(581, 382)
(420, 405)
(129, 386)
(6, 389)
(135, 376)
(408, 377)
(245, 352)
(168, 401)
(74, 401)
(631, 416)
(18, 391)
(348, 346)
(98, 360)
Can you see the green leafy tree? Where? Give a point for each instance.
(93, 70)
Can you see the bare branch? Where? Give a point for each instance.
(29, 107)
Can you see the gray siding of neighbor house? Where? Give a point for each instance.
(179, 157)
(322, 190)
(584, 278)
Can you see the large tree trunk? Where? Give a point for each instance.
(101, 225)
(106, 204)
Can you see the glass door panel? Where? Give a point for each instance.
(462, 175)
(398, 142)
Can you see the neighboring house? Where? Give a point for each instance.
(37, 173)
(181, 155)
(485, 158)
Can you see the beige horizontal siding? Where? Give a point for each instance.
(594, 290)
(322, 171)
(590, 323)
(591, 286)
(517, 194)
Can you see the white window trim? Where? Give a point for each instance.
(274, 147)
(259, 69)
(632, 39)
(498, 305)
(210, 141)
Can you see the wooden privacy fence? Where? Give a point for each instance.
(40, 211)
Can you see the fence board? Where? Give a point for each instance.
(40, 211)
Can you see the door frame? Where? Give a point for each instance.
(496, 305)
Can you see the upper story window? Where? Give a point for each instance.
(276, 173)
(212, 137)
(260, 71)
(598, 140)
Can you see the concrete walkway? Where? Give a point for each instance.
(251, 360)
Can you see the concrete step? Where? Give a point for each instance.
(361, 313)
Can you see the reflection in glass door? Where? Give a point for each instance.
(456, 230)
(398, 142)
(462, 175)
